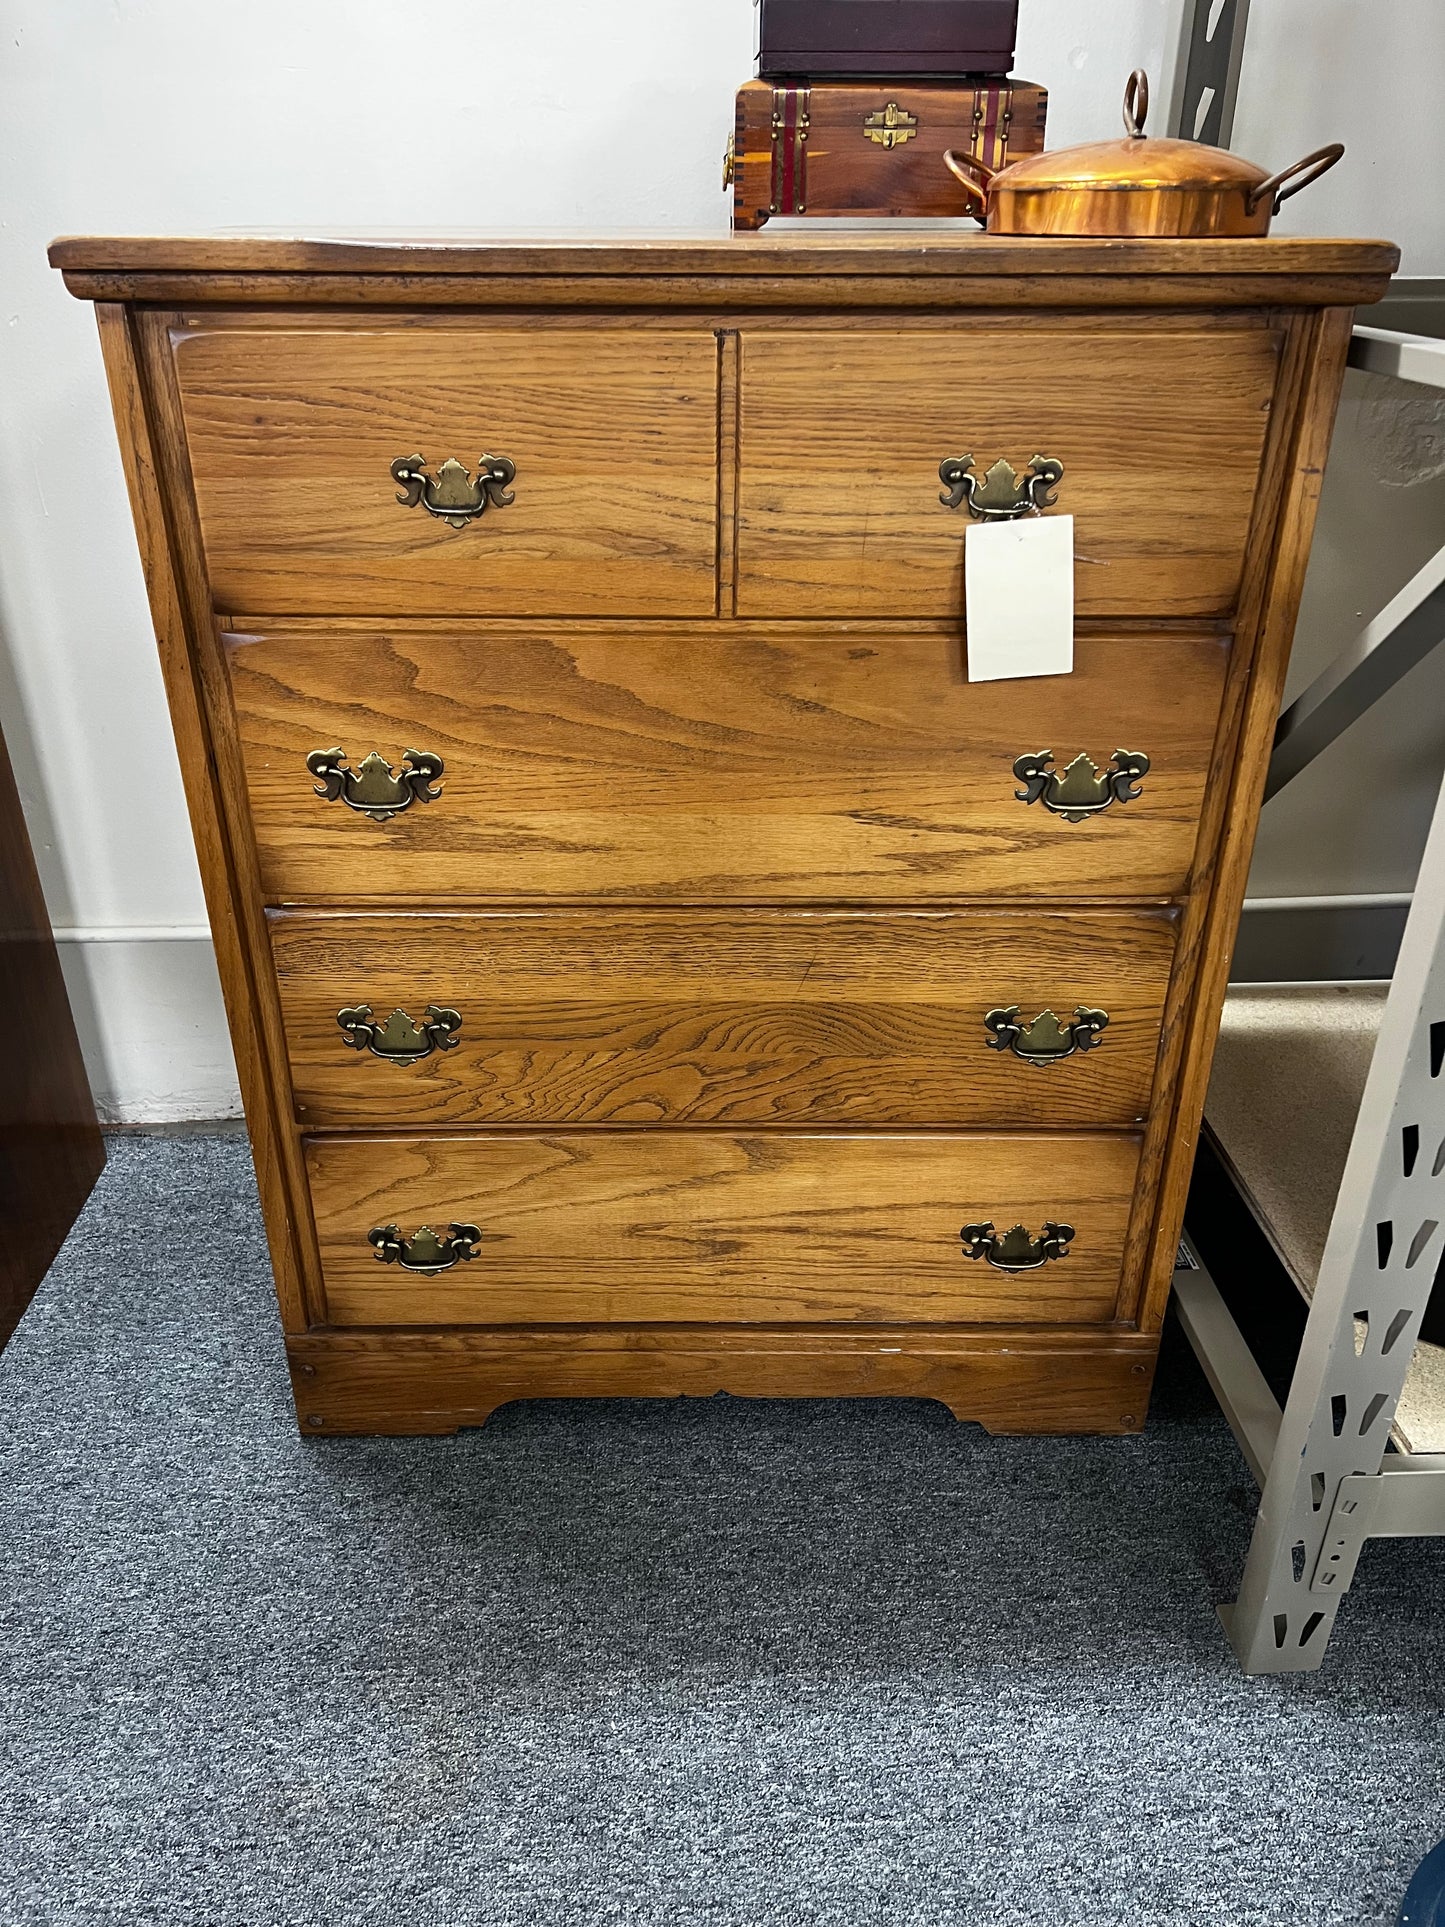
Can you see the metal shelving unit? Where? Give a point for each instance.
(1329, 1477)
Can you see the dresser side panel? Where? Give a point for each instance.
(1274, 582)
(181, 614)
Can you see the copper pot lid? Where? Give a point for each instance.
(1141, 162)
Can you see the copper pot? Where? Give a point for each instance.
(1134, 186)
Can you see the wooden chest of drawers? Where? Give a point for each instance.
(654, 967)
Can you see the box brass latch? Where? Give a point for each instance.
(891, 126)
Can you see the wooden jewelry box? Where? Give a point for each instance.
(654, 968)
(872, 147)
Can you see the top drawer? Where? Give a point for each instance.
(1161, 433)
(612, 433)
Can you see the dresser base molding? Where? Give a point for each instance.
(387, 1382)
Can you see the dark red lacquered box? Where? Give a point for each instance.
(893, 39)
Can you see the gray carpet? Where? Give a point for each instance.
(755, 1664)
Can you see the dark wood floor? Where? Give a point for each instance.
(50, 1145)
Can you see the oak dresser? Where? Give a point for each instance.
(654, 967)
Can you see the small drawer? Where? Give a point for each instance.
(726, 762)
(946, 1017)
(1160, 435)
(602, 444)
(634, 1227)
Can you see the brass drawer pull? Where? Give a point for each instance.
(451, 495)
(1016, 1250)
(399, 1040)
(1003, 494)
(1045, 1040)
(1081, 790)
(376, 789)
(424, 1251)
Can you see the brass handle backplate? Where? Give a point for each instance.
(1045, 1040)
(1003, 494)
(1016, 1250)
(451, 495)
(376, 789)
(1080, 791)
(399, 1040)
(424, 1251)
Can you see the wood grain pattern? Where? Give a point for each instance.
(608, 1227)
(945, 268)
(842, 435)
(733, 762)
(50, 1145)
(1012, 1381)
(707, 1017)
(720, 321)
(1202, 286)
(292, 436)
(1161, 1147)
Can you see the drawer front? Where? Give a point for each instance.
(707, 1017)
(1160, 436)
(729, 762)
(612, 435)
(637, 1227)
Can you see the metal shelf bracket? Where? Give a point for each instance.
(1325, 1486)
(1211, 53)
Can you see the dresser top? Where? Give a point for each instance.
(904, 266)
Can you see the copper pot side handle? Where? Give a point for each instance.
(973, 177)
(1300, 176)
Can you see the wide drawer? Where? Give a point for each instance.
(723, 762)
(628, 1227)
(612, 434)
(723, 1017)
(1160, 434)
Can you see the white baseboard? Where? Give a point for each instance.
(152, 1026)
(1318, 939)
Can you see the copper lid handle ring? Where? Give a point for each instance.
(1299, 176)
(1136, 104)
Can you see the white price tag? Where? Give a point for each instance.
(1019, 597)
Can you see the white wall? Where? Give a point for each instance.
(134, 116)
(1367, 72)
